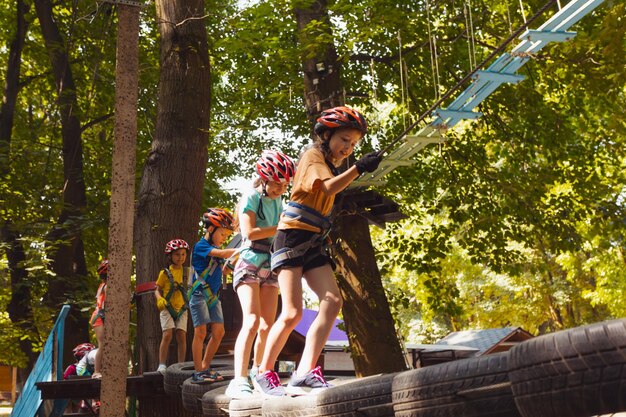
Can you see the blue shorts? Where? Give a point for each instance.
(201, 314)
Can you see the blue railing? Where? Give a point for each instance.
(29, 400)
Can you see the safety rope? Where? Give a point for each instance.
(434, 62)
(401, 79)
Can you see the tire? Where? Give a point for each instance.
(246, 407)
(215, 402)
(177, 373)
(193, 393)
(575, 372)
(473, 387)
(304, 406)
(369, 396)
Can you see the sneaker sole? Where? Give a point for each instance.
(297, 391)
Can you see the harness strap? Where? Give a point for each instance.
(174, 286)
(201, 284)
(309, 216)
(99, 314)
(260, 246)
(283, 255)
(99, 311)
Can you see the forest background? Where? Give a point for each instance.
(516, 220)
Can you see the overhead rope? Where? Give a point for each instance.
(401, 79)
(434, 61)
(444, 97)
(521, 7)
(469, 33)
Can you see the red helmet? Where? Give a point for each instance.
(219, 218)
(103, 269)
(174, 245)
(275, 166)
(82, 349)
(341, 116)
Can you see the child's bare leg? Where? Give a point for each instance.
(269, 295)
(181, 342)
(322, 281)
(217, 333)
(99, 330)
(248, 294)
(290, 280)
(166, 339)
(199, 333)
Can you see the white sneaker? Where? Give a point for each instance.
(161, 369)
(239, 388)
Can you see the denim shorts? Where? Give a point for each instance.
(200, 312)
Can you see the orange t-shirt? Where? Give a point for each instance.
(311, 171)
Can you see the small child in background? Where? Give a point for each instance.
(97, 318)
(257, 289)
(87, 364)
(171, 300)
(208, 261)
(79, 352)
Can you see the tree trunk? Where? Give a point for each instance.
(115, 349)
(19, 307)
(322, 83)
(65, 246)
(11, 86)
(366, 312)
(368, 319)
(170, 194)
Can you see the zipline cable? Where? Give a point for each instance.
(467, 77)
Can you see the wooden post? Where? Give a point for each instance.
(13, 385)
(115, 350)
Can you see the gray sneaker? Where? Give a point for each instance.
(310, 383)
(268, 384)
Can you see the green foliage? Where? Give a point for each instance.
(518, 219)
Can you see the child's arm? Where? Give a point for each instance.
(335, 185)
(222, 253)
(249, 229)
(367, 163)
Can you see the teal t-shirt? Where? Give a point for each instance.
(267, 216)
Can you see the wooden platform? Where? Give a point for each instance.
(146, 385)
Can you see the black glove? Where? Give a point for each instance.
(368, 162)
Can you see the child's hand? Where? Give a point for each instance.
(161, 304)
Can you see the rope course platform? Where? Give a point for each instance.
(503, 70)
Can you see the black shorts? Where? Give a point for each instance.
(314, 257)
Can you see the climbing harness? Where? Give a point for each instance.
(174, 286)
(308, 216)
(100, 299)
(200, 284)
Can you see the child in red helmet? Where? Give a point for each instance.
(97, 318)
(171, 300)
(298, 250)
(208, 261)
(257, 288)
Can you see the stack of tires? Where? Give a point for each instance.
(177, 381)
(579, 372)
